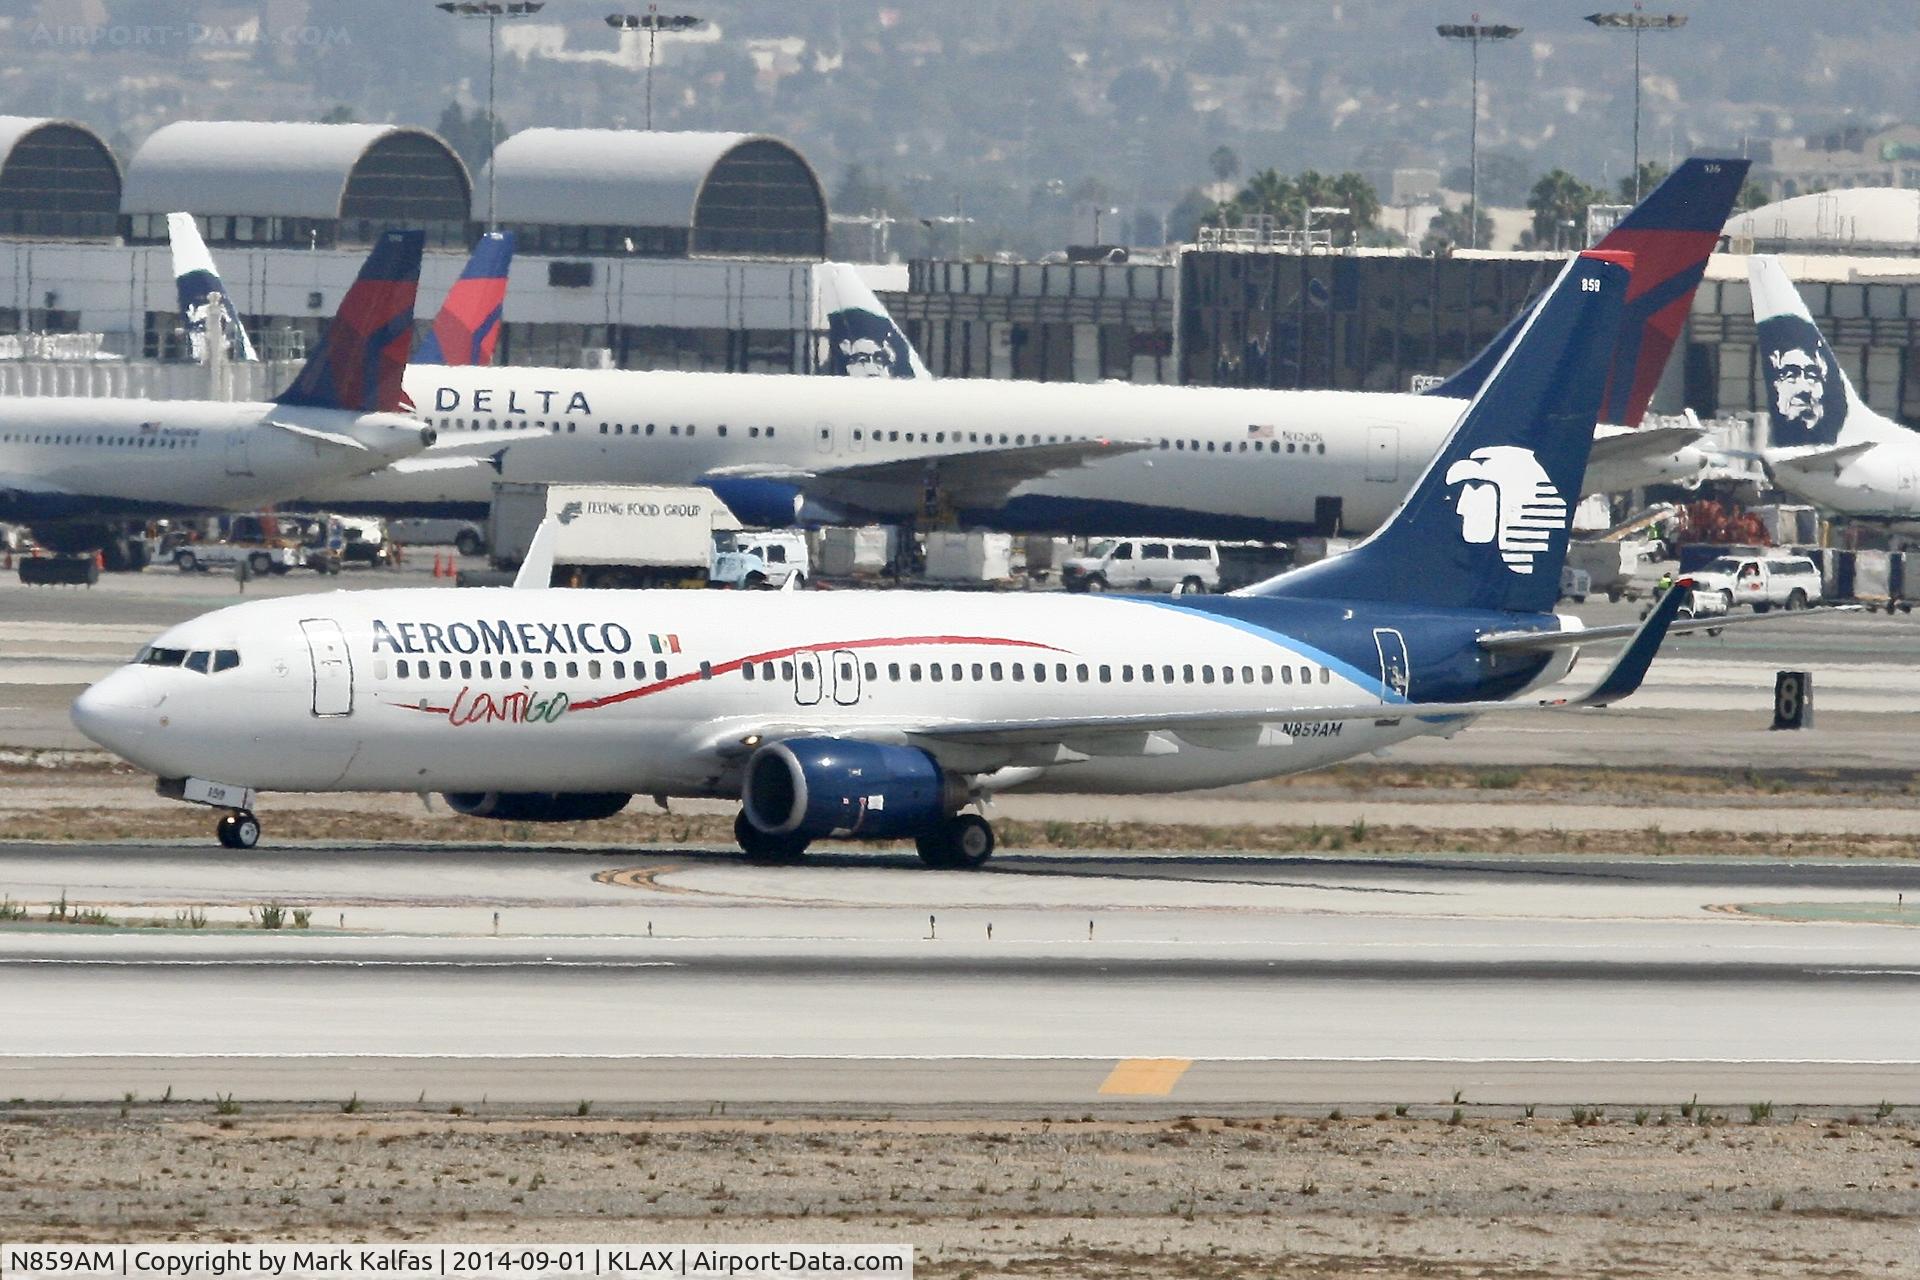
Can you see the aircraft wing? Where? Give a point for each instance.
(458, 462)
(468, 443)
(983, 745)
(1643, 444)
(975, 478)
(1817, 457)
(334, 438)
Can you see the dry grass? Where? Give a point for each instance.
(1078, 1196)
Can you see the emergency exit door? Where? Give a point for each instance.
(808, 679)
(332, 667)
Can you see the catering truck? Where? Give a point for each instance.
(609, 535)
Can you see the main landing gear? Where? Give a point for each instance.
(238, 829)
(961, 843)
(761, 847)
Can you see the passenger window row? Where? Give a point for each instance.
(504, 669)
(1259, 446)
(1063, 673)
(100, 439)
(784, 671)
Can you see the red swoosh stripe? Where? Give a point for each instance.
(774, 655)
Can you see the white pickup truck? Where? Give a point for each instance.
(1761, 581)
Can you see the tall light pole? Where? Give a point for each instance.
(1473, 33)
(493, 11)
(1637, 22)
(653, 22)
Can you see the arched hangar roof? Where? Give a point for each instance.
(1870, 219)
(298, 170)
(56, 178)
(736, 193)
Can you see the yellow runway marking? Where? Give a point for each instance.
(1143, 1077)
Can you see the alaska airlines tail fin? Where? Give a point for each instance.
(1671, 233)
(468, 325)
(1810, 400)
(360, 361)
(862, 339)
(196, 280)
(1486, 525)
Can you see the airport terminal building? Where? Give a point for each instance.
(646, 250)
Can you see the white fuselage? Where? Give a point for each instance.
(649, 691)
(1223, 462)
(82, 458)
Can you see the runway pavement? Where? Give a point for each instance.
(689, 978)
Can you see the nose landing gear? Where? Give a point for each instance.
(238, 829)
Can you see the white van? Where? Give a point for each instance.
(1144, 564)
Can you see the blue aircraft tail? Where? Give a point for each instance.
(1671, 234)
(361, 360)
(468, 325)
(1486, 526)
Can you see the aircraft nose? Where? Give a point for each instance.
(113, 711)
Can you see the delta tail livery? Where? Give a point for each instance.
(889, 715)
(69, 466)
(1826, 445)
(468, 325)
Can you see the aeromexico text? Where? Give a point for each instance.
(501, 637)
(512, 400)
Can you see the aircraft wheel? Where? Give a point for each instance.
(238, 830)
(963, 842)
(761, 847)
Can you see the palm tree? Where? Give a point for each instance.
(1557, 199)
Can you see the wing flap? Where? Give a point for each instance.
(973, 478)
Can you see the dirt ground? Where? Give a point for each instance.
(56, 795)
(1493, 1194)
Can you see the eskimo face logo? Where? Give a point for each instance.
(1508, 500)
(865, 345)
(1805, 402)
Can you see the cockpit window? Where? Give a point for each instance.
(154, 656)
(199, 660)
(225, 659)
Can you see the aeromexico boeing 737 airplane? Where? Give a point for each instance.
(72, 465)
(1105, 458)
(886, 715)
